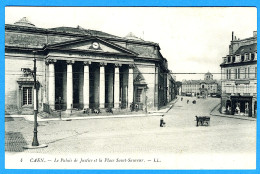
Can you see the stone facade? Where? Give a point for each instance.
(239, 77)
(205, 87)
(82, 69)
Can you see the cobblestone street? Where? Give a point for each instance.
(140, 135)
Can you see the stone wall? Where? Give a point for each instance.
(148, 72)
(14, 63)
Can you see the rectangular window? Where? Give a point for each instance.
(248, 72)
(238, 73)
(255, 72)
(235, 73)
(27, 95)
(227, 73)
(245, 73)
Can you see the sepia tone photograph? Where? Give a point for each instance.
(130, 87)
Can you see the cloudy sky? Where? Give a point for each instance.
(193, 40)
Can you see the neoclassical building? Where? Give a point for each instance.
(205, 87)
(82, 68)
(239, 77)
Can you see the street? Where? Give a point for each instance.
(141, 135)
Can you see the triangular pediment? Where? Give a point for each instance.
(93, 44)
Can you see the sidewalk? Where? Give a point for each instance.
(31, 117)
(215, 112)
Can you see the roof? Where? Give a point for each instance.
(81, 30)
(132, 36)
(24, 22)
(198, 82)
(247, 49)
(208, 73)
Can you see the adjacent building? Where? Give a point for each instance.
(81, 68)
(239, 77)
(205, 87)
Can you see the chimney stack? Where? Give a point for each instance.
(232, 35)
(255, 33)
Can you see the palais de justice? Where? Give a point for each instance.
(82, 68)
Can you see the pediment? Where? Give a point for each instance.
(94, 44)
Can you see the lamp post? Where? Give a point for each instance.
(35, 143)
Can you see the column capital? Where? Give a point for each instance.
(131, 66)
(86, 63)
(102, 63)
(117, 65)
(70, 62)
(49, 61)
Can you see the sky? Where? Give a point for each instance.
(192, 39)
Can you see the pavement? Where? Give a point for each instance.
(216, 112)
(160, 112)
(225, 143)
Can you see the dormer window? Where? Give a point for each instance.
(252, 56)
(233, 59)
(247, 58)
(229, 59)
(242, 58)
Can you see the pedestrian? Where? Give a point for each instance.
(187, 101)
(162, 123)
(181, 99)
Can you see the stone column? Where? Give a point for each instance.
(51, 89)
(102, 85)
(86, 85)
(69, 84)
(130, 85)
(116, 86)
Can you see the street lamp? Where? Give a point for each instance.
(35, 143)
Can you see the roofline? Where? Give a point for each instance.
(50, 31)
(223, 65)
(249, 38)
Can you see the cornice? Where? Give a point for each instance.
(238, 64)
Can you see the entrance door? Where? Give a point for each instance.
(139, 97)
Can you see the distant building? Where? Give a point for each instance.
(239, 77)
(205, 87)
(82, 68)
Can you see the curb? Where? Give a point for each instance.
(167, 109)
(31, 118)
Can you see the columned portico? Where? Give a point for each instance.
(69, 85)
(86, 84)
(51, 90)
(102, 85)
(130, 85)
(116, 86)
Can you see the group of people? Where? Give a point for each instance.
(194, 101)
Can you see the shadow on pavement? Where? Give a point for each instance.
(14, 142)
(8, 119)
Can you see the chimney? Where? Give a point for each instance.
(254, 33)
(232, 35)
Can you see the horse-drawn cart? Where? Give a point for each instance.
(202, 120)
